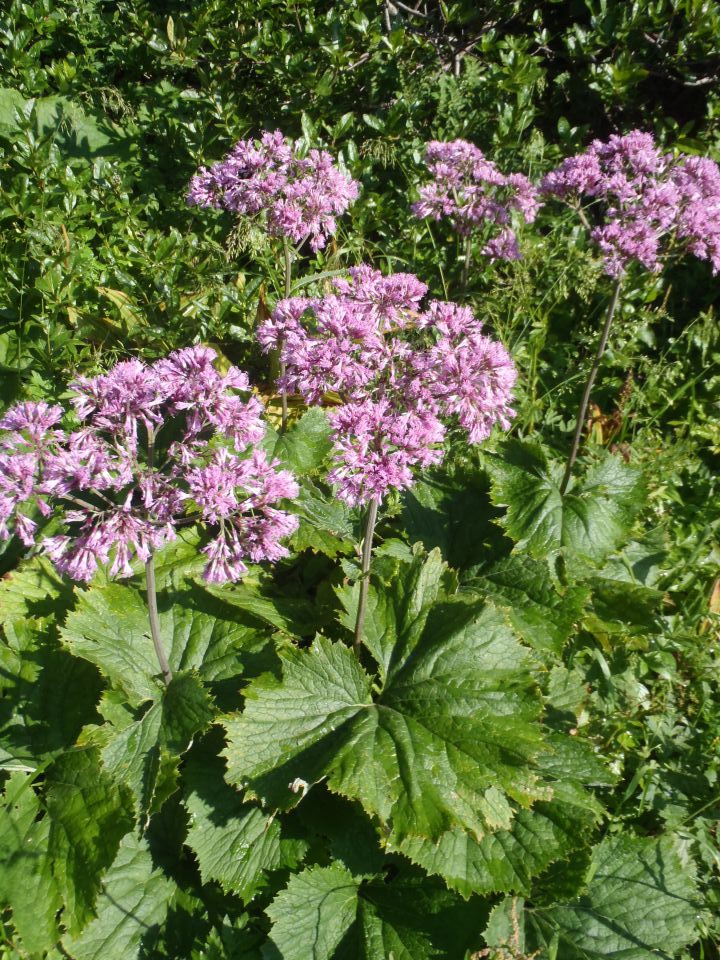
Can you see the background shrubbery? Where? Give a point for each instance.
(106, 111)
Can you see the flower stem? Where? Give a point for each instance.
(580, 422)
(288, 286)
(370, 521)
(467, 263)
(150, 582)
(154, 620)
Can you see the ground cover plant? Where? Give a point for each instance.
(358, 499)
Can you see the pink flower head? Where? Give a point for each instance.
(471, 191)
(121, 491)
(648, 197)
(402, 374)
(299, 196)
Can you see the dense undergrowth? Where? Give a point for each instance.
(523, 758)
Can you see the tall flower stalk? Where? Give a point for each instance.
(584, 402)
(118, 500)
(367, 545)
(651, 204)
(477, 198)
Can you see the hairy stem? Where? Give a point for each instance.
(367, 546)
(580, 422)
(288, 285)
(467, 263)
(154, 620)
(151, 586)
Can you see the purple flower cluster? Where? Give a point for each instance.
(400, 374)
(471, 190)
(650, 199)
(158, 445)
(299, 195)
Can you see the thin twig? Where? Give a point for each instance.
(152, 587)
(288, 287)
(580, 423)
(370, 522)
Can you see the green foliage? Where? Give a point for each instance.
(522, 755)
(588, 521)
(637, 900)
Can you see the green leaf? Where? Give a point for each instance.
(395, 618)
(504, 860)
(89, 814)
(46, 695)
(451, 510)
(314, 912)
(27, 884)
(640, 902)
(152, 745)
(543, 616)
(455, 716)
(131, 907)
(110, 627)
(588, 521)
(326, 912)
(235, 843)
(33, 589)
(620, 606)
(306, 444)
(325, 525)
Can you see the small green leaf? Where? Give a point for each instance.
(588, 521)
(306, 444)
(235, 843)
(640, 902)
(131, 907)
(27, 884)
(89, 814)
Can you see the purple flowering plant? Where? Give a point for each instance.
(155, 447)
(399, 375)
(295, 194)
(427, 736)
(477, 198)
(651, 205)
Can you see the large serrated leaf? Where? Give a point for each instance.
(455, 717)
(326, 912)
(505, 860)
(542, 615)
(588, 521)
(89, 815)
(639, 903)
(27, 884)
(130, 908)
(235, 843)
(110, 628)
(138, 753)
(306, 444)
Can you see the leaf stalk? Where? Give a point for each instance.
(370, 521)
(580, 422)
